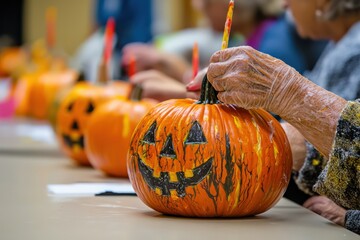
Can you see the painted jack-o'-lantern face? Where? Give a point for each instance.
(69, 139)
(209, 159)
(165, 183)
(73, 115)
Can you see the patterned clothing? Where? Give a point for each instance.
(352, 220)
(340, 179)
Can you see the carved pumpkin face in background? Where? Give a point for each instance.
(74, 113)
(209, 159)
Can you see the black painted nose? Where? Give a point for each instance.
(75, 125)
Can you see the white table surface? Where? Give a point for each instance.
(23, 136)
(27, 211)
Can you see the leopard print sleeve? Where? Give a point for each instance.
(340, 179)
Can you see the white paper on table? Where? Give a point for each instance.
(91, 189)
(40, 133)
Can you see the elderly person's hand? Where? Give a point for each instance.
(147, 56)
(158, 86)
(251, 79)
(327, 209)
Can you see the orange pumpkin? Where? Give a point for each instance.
(109, 132)
(55, 105)
(209, 159)
(12, 61)
(22, 92)
(44, 90)
(74, 113)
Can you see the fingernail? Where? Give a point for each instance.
(190, 86)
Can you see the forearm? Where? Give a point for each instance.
(315, 113)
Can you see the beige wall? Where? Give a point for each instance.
(74, 21)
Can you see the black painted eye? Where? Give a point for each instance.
(150, 134)
(196, 135)
(90, 108)
(168, 149)
(75, 125)
(70, 107)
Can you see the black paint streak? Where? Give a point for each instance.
(229, 166)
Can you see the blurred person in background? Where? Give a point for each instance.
(261, 24)
(133, 23)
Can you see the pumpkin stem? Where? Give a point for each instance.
(135, 93)
(208, 93)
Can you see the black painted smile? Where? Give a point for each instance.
(71, 142)
(165, 185)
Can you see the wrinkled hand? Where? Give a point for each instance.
(158, 86)
(297, 144)
(327, 209)
(147, 56)
(251, 79)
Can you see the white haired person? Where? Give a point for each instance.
(337, 70)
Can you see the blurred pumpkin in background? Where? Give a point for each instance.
(109, 132)
(209, 159)
(13, 62)
(46, 87)
(55, 106)
(75, 111)
(39, 62)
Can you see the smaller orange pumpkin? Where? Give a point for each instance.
(74, 113)
(44, 90)
(22, 93)
(109, 132)
(12, 61)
